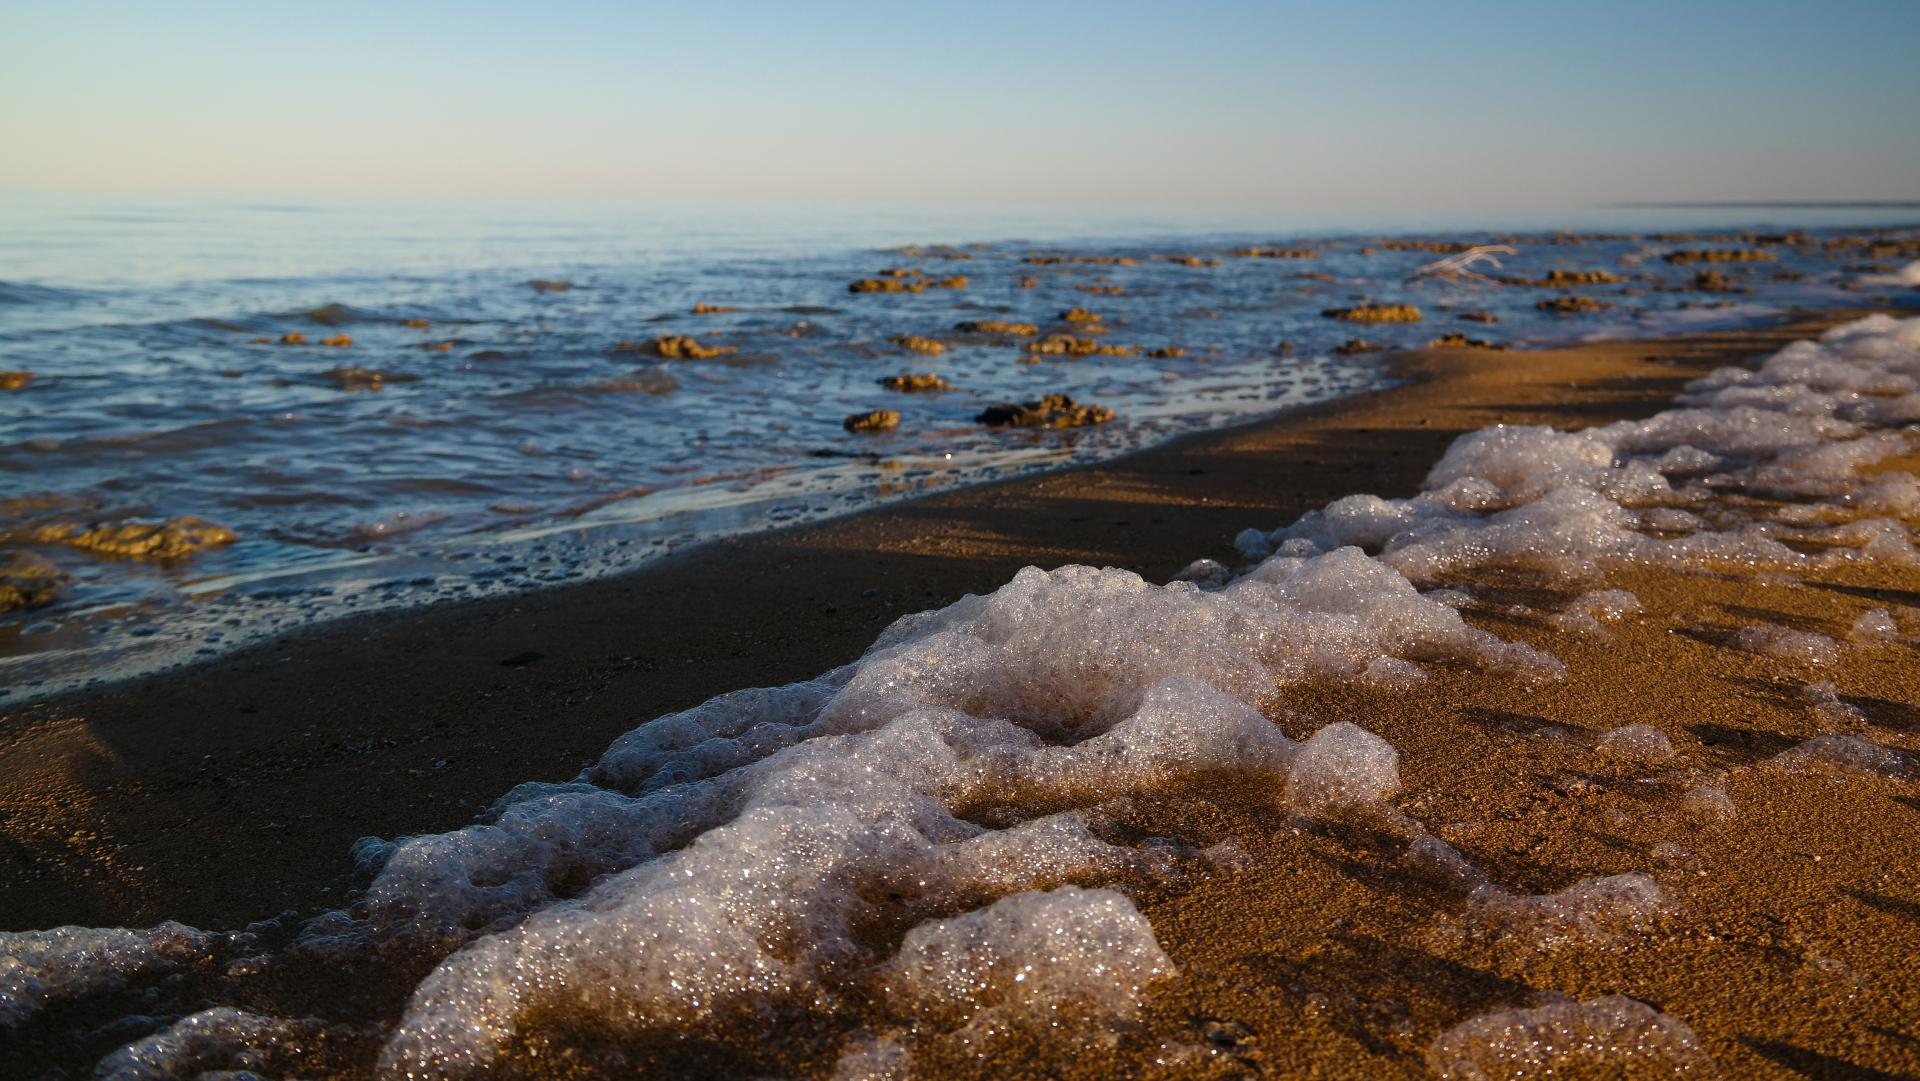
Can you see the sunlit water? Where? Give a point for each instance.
(511, 446)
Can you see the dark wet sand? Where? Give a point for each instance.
(230, 792)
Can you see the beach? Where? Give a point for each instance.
(231, 792)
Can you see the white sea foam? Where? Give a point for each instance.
(740, 859)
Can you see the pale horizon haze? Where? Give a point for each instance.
(1200, 106)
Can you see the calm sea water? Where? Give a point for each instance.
(509, 445)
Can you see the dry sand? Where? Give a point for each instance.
(231, 792)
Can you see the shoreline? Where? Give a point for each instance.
(134, 804)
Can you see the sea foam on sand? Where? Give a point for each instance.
(911, 853)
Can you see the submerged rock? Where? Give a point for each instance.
(1375, 313)
(1438, 247)
(1461, 341)
(293, 337)
(364, 378)
(704, 308)
(1191, 260)
(28, 581)
(1478, 317)
(1082, 260)
(1071, 346)
(338, 341)
(1683, 258)
(915, 382)
(1569, 305)
(172, 539)
(675, 347)
(997, 326)
(1563, 278)
(1261, 251)
(1713, 281)
(16, 380)
(1079, 315)
(1052, 411)
(906, 285)
(1356, 345)
(880, 420)
(1102, 290)
(932, 347)
(549, 285)
(1168, 352)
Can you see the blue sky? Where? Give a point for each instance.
(1111, 104)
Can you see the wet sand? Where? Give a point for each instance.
(231, 792)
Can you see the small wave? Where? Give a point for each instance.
(23, 294)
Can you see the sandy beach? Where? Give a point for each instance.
(232, 792)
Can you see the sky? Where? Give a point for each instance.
(1193, 105)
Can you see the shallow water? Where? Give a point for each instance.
(510, 446)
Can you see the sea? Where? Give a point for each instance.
(373, 406)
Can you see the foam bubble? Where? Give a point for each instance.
(1592, 910)
(38, 968)
(1637, 743)
(1614, 1036)
(1874, 625)
(1069, 960)
(1709, 803)
(1802, 647)
(1846, 753)
(1342, 768)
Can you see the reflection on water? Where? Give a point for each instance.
(388, 405)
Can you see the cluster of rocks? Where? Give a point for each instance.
(1375, 313)
(1261, 251)
(1456, 340)
(932, 347)
(176, 538)
(1052, 411)
(1570, 305)
(908, 282)
(915, 382)
(1071, 345)
(997, 326)
(355, 378)
(1687, 257)
(879, 420)
(28, 581)
(675, 347)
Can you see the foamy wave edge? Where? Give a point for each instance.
(916, 852)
